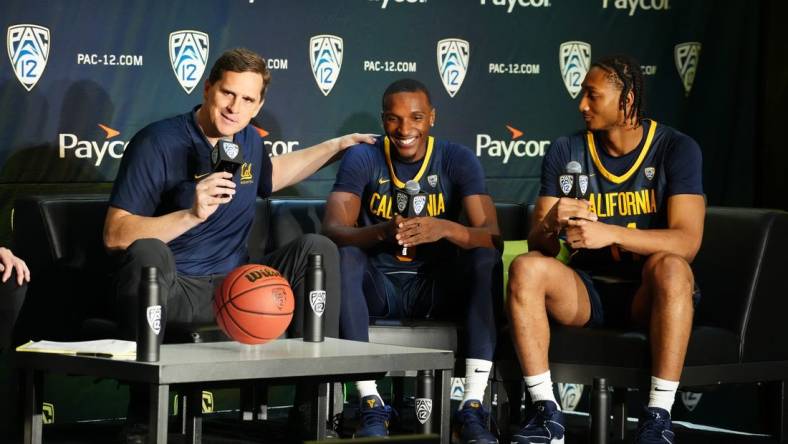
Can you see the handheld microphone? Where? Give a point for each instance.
(226, 156)
(410, 202)
(573, 183)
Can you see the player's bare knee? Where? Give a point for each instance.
(526, 275)
(669, 272)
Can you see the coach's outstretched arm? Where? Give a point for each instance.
(291, 168)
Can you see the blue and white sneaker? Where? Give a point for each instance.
(375, 417)
(654, 427)
(470, 425)
(544, 426)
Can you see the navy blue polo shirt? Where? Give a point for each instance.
(158, 174)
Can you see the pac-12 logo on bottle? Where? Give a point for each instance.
(188, 56)
(28, 50)
(153, 314)
(453, 57)
(317, 299)
(325, 57)
(574, 58)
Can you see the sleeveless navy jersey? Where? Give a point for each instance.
(629, 191)
(447, 173)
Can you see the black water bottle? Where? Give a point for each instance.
(600, 411)
(314, 299)
(149, 316)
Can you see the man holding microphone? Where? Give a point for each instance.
(632, 240)
(423, 265)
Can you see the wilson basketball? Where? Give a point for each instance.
(254, 304)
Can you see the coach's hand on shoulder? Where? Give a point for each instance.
(349, 140)
(582, 233)
(420, 230)
(216, 189)
(9, 263)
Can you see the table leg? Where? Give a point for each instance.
(32, 406)
(444, 404)
(321, 410)
(194, 414)
(157, 417)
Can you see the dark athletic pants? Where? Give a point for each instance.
(460, 289)
(188, 299)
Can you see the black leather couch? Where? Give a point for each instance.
(60, 237)
(738, 335)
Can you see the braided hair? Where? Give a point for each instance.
(625, 72)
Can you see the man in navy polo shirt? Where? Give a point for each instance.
(169, 209)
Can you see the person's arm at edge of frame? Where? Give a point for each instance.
(293, 167)
(9, 263)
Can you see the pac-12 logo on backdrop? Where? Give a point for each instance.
(325, 56)
(687, 55)
(574, 58)
(28, 50)
(453, 56)
(188, 56)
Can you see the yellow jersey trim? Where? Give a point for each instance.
(424, 162)
(607, 174)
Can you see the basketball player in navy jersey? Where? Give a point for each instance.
(632, 244)
(448, 268)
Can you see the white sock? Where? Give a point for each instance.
(477, 372)
(663, 393)
(367, 388)
(540, 387)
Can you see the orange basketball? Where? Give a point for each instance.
(254, 304)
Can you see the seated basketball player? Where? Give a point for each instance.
(14, 276)
(169, 209)
(632, 243)
(448, 269)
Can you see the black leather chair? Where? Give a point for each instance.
(738, 334)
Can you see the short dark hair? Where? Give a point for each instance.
(241, 60)
(405, 85)
(625, 72)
